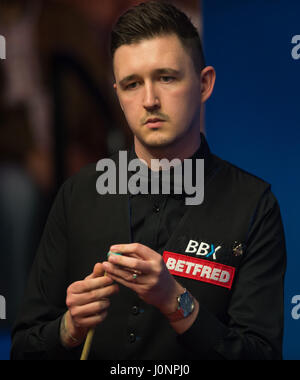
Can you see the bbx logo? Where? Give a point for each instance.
(2, 48)
(202, 249)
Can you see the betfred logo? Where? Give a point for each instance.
(202, 249)
(199, 270)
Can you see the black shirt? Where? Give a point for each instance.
(153, 217)
(241, 322)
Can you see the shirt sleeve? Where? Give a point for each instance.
(255, 313)
(36, 334)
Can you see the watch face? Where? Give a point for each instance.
(186, 304)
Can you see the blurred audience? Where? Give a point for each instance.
(58, 112)
(25, 164)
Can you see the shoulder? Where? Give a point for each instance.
(239, 181)
(82, 181)
(239, 192)
(87, 177)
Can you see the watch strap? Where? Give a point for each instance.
(179, 314)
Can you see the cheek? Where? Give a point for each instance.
(131, 110)
(183, 103)
(129, 106)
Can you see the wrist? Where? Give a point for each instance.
(185, 307)
(172, 303)
(68, 336)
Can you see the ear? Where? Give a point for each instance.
(208, 79)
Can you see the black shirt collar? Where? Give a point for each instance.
(203, 152)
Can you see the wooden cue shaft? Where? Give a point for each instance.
(88, 342)
(91, 333)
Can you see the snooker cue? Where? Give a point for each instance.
(88, 344)
(91, 333)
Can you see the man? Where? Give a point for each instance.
(192, 282)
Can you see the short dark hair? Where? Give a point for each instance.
(154, 18)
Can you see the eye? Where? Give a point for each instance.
(166, 79)
(131, 86)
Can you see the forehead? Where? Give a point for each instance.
(149, 55)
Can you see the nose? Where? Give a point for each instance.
(151, 99)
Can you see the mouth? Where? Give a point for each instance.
(154, 122)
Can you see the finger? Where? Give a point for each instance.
(90, 309)
(91, 297)
(98, 271)
(137, 249)
(129, 262)
(89, 277)
(129, 284)
(120, 272)
(89, 285)
(91, 322)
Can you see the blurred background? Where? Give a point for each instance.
(58, 112)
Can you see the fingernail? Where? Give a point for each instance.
(113, 253)
(115, 247)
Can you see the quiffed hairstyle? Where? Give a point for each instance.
(153, 18)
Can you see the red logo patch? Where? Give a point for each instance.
(200, 270)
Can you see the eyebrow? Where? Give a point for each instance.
(161, 71)
(127, 79)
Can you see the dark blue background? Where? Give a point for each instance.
(252, 119)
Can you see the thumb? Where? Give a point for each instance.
(98, 271)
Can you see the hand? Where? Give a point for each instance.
(154, 283)
(87, 303)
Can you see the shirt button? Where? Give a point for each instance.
(132, 338)
(135, 310)
(156, 209)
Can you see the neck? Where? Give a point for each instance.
(179, 149)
